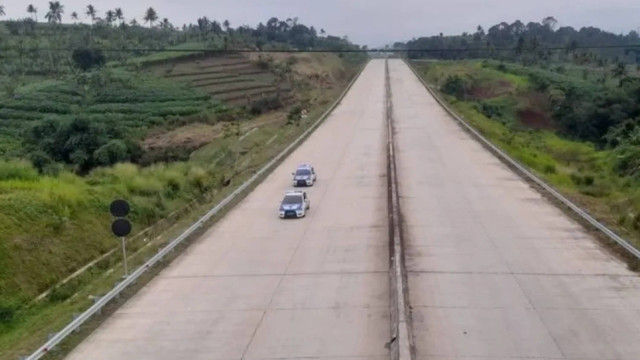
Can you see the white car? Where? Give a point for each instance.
(294, 205)
(304, 175)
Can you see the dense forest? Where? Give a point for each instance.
(531, 43)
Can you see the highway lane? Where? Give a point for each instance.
(257, 287)
(495, 271)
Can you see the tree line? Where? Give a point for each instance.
(26, 46)
(530, 43)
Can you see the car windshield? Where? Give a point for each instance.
(292, 199)
(303, 172)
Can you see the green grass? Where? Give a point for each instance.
(578, 169)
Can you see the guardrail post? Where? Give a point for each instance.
(95, 301)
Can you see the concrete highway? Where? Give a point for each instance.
(258, 287)
(495, 271)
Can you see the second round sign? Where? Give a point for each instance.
(121, 227)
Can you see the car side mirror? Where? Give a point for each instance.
(293, 174)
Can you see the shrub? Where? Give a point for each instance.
(86, 59)
(198, 178)
(454, 85)
(7, 312)
(491, 110)
(112, 152)
(549, 169)
(295, 115)
(264, 104)
(40, 159)
(582, 180)
(627, 160)
(17, 170)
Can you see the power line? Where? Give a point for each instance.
(383, 50)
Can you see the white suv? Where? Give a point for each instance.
(304, 176)
(295, 204)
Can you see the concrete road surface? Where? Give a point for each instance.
(257, 287)
(496, 271)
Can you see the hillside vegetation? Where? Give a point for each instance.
(85, 120)
(577, 133)
(53, 223)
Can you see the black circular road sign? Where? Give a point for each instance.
(121, 227)
(119, 208)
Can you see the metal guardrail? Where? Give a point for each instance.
(104, 300)
(528, 174)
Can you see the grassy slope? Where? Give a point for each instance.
(51, 226)
(582, 172)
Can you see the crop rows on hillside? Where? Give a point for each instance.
(133, 102)
(232, 79)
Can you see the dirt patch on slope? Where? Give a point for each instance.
(537, 113)
(535, 119)
(191, 136)
(491, 90)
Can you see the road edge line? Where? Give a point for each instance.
(401, 345)
(121, 286)
(528, 175)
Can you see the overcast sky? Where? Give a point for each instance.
(370, 22)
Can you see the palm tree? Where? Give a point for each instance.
(33, 11)
(166, 24)
(55, 12)
(226, 25)
(2, 13)
(120, 15)
(133, 22)
(91, 12)
(150, 16)
(110, 17)
(74, 15)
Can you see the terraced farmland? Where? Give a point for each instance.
(132, 102)
(233, 79)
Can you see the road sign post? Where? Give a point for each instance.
(124, 256)
(121, 227)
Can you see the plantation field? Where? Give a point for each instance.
(508, 104)
(132, 102)
(234, 79)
